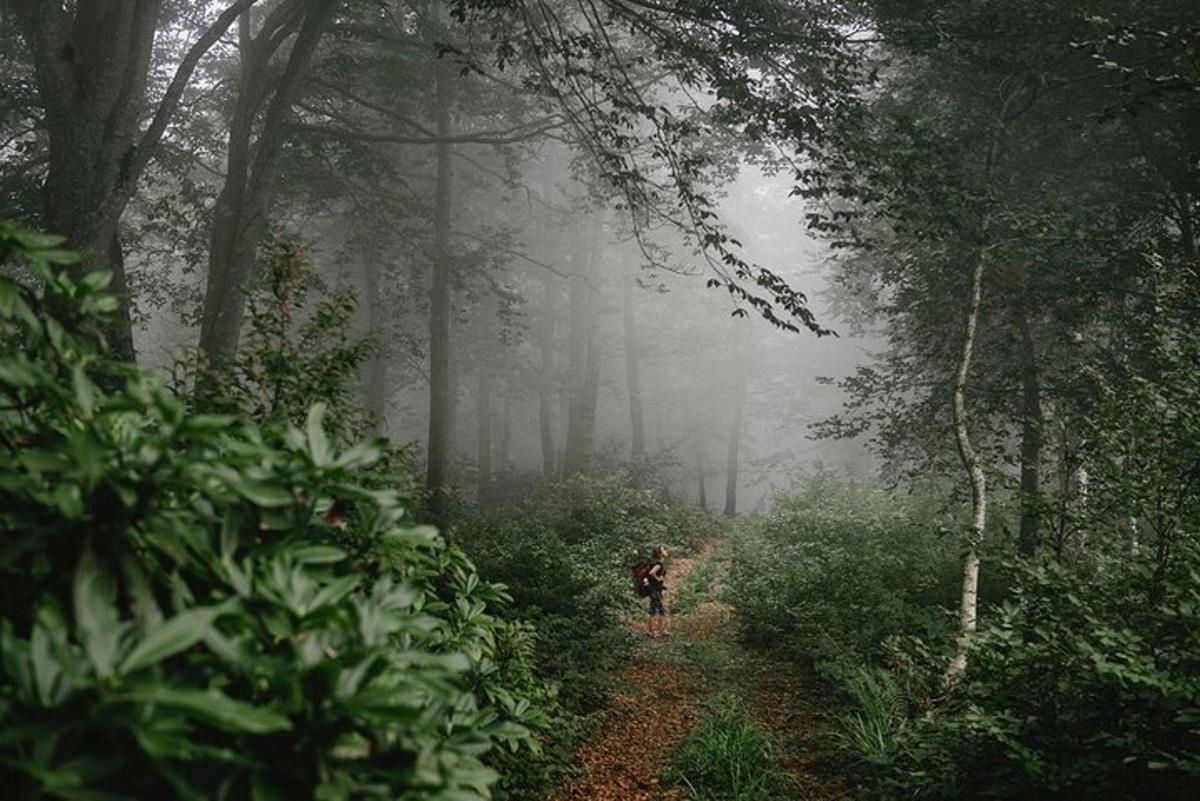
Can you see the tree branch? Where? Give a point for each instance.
(481, 138)
(146, 147)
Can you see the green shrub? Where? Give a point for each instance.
(728, 757)
(566, 554)
(1076, 688)
(1083, 679)
(177, 619)
(297, 350)
(838, 568)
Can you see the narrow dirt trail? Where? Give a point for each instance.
(654, 706)
(662, 693)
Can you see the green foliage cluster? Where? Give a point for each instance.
(1082, 679)
(177, 618)
(298, 350)
(1076, 688)
(835, 569)
(1078, 684)
(728, 757)
(566, 552)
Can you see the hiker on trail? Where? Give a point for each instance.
(656, 583)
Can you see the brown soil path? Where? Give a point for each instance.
(647, 717)
(658, 700)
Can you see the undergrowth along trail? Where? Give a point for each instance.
(695, 715)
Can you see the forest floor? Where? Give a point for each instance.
(669, 685)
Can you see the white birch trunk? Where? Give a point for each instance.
(968, 614)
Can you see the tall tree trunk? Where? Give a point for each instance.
(735, 439)
(584, 360)
(374, 373)
(441, 390)
(240, 213)
(1079, 503)
(91, 62)
(546, 382)
(91, 68)
(632, 374)
(581, 436)
(504, 445)
(698, 455)
(483, 421)
(969, 602)
(1031, 441)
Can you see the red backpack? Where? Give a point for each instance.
(641, 578)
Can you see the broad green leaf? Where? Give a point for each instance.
(100, 628)
(96, 280)
(421, 536)
(333, 592)
(16, 661)
(318, 442)
(47, 672)
(214, 707)
(18, 373)
(261, 493)
(145, 605)
(175, 635)
(364, 454)
(85, 391)
(316, 554)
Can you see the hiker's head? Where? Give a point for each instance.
(660, 552)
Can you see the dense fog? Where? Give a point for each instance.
(524, 241)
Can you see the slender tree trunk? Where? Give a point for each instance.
(374, 372)
(584, 358)
(1079, 501)
(458, 393)
(581, 438)
(735, 439)
(483, 419)
(1031, 442)
(578, 334)
(632, 373)
(969, 603)
(240, 214)
(698, 455)
(565, 412)
(504, 446)
(441, 390)
(546, 382)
